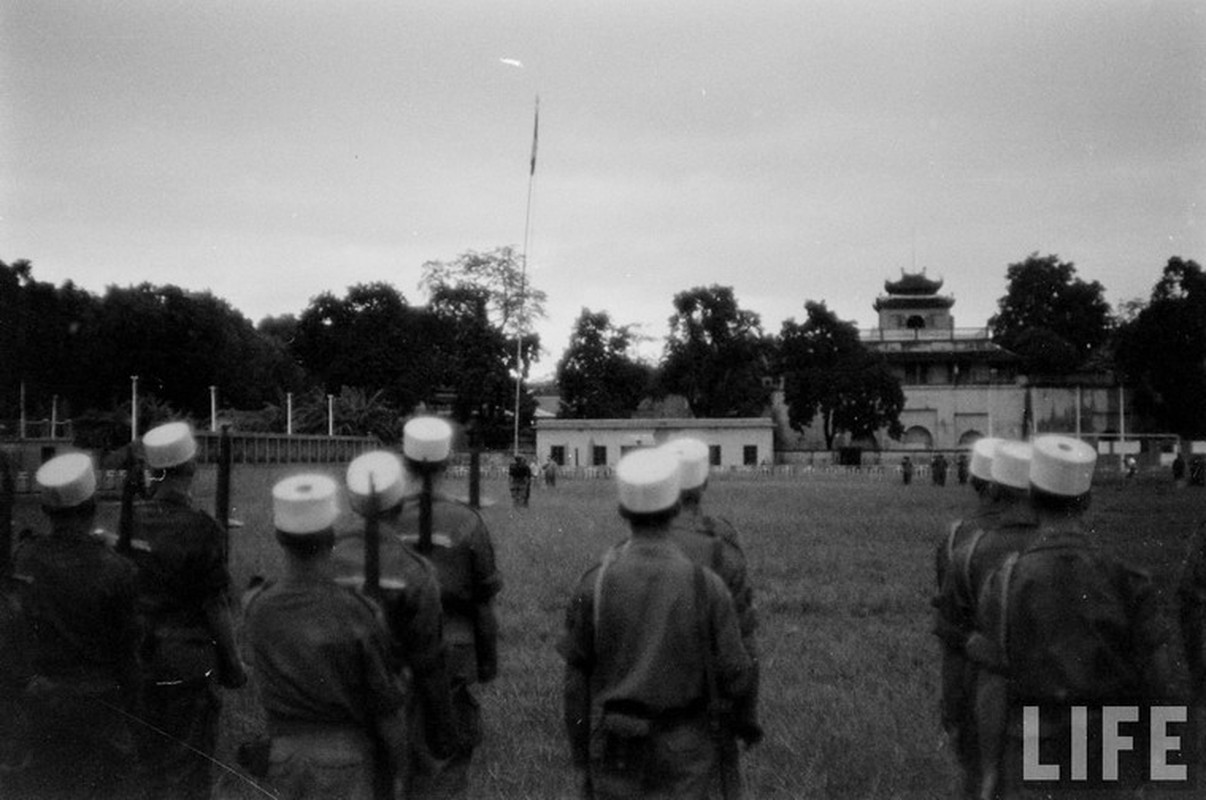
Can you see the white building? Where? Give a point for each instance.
(743, 442)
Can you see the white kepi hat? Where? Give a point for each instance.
(648, 481)
(427, 440)
(1011, 465)
(981, 457)
(388, 480)
(1062, 465)
(66, 481)
(304, 504)
(693, 461)
(169, 445)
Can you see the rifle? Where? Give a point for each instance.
(372, 544)
(718, 707)
(131, 486)
(222, 498)
(425, 511)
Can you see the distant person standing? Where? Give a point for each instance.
(906, 470)
(550, 473)
(1178, 468)
(79, 606)
(333, 703)
(455, 539)
(652, 652)
(938, 469)
(521, 482)
(961, 468)
(189, 649)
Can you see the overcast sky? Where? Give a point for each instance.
(270, 151)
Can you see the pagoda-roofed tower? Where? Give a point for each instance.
(913, 303)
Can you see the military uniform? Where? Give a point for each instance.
(521, 481)
(78, 706)
(463, 556)
(321, 657)
(938, 470)
(410, 598)
(1066, 624)
(653, 653)
(633, 642)
(1191, 594)
(15, 672)
(973, 549)
(181, 572)
(713, 542)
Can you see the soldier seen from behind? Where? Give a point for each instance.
(714, 543)
(79, 605)
(455, 539)
(1002, 523)
(1191, 613)
(14, 649)
(1061, 624)
(906, 470)
(653, 653)
(407, 588)
(321, 657)
(189, 648)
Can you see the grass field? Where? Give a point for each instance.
(842, 569)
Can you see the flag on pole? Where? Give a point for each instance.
(535, 133)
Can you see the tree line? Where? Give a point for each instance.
(718, 357)
(380, 357)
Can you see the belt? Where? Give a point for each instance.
(186, 681)
(288, 728)
(668, 716)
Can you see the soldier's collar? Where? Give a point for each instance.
(1064, 533)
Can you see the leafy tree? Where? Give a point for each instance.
(45, 339)
(371, 340)
(473, 359)
(716, 355)
(1050, 317)
(180, 343)
(597, 375)
(511, 300)
(488, 292)
(1162, 350)
(829, 373)
(281, 329)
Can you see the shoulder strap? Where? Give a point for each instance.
(608, 557)
(950, 541)
(963, 570)
(1003, 625)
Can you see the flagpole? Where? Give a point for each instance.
(523, 277)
